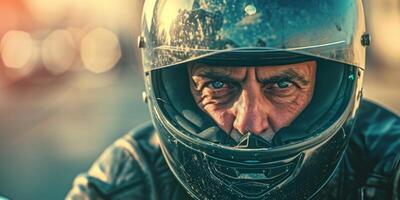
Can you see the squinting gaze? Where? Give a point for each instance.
(260, 100)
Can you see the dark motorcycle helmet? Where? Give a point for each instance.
(303, 156)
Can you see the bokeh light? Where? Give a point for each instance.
(100, 50)
(16, 49)
(58, 51)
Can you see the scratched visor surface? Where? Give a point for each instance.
(180, 31)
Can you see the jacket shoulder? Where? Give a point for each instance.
(377, 130)
(123, 169)
(376, 133)
(373, 156)
(371, 111)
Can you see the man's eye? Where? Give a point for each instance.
(283, 84)
(216, 84)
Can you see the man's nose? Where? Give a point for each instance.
(251, 112)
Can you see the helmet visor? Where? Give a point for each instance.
(179, 31)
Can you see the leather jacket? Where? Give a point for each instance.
(134, 167)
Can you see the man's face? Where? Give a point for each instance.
(260, 100)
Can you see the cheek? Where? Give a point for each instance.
(222, 117)
(195, 93)
(283, 114)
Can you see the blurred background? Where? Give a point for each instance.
(71, 83)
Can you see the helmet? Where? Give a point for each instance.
(303, 156)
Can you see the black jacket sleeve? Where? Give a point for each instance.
(131, 168)
(121, 172)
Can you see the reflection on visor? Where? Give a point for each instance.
(181, 31)
(252, 141)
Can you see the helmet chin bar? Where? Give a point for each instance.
(254, 178)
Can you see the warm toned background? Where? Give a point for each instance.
(70, 84)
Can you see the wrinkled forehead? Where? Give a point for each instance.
(197, 68)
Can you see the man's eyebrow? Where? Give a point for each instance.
(201, 70)
(216, 74)
(290, 74)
